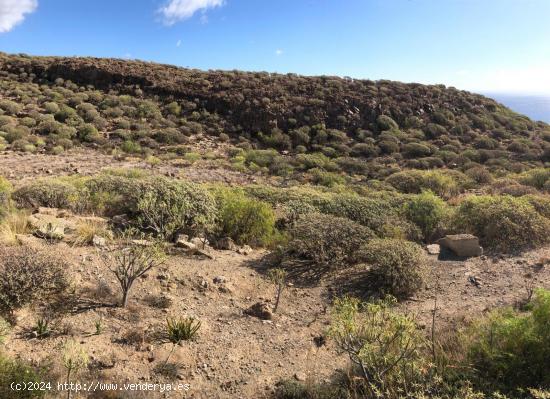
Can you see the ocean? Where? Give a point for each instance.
(535, 107)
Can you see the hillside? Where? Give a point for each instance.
(254, 235)
(359, 127)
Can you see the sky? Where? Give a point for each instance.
(497, 46)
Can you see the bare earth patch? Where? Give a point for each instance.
(19, 166)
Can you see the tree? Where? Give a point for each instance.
(129, 259)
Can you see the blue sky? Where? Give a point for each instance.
(481, 45)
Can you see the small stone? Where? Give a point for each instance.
(99, 241)
(433, 249)
(226, 289)
(245, 250)
(300, 377)
(260, 310)
(219, 280)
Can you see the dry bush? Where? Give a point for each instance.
(51, 193)
(28, 275)
(397, 266)
(87, 229)
(327, 241)
(16, 222)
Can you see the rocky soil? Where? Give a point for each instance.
(236, 355)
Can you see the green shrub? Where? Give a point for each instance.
(416, 150)
(10, 107)
(446, 184)
(385, 122)
(503, 223)
(5, 190)
(261, 157)
(14, 371)
(51, 107)
(510, 350)
(427, 211)
(290, 212)
(51, 193)
(245, 220)
(28, 275)
(541, 203)
(327, 241)
(397, 266)
(378, 214)
(109, 194)
(131, 147)
(315, 160)
(327, 179)
(480, 175)
(535, 178)
(182, 329)
(87, 132)
(289, 389)
(385, 346)
(166, 207)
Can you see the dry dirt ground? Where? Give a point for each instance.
(235, 355)
(18, 167)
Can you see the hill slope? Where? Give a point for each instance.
(367, 127)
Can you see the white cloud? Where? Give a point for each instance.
(278, 52)
(12, 12)
(179, 10)
(178, 43)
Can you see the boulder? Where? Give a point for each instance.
(463, 245)
(47, 227)
(260, 310)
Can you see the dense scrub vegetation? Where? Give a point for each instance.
(368, 172)
(331, 125)
(327, 226)
(506, 356)
(377, 230)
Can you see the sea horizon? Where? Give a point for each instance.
(535, 106)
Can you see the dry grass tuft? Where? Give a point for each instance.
(16, 222)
